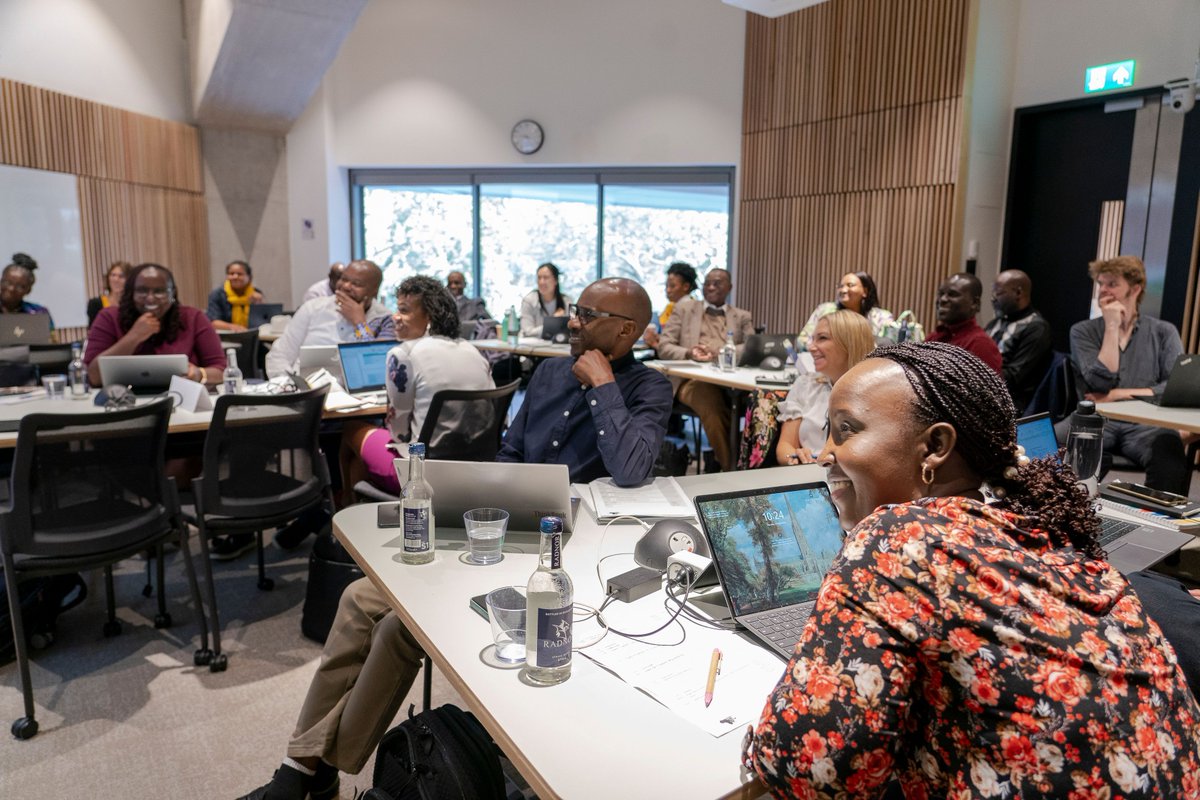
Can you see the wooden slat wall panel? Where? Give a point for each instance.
(852, 142)
(1191, 308)
(141, 186)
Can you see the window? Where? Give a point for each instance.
(497, 227)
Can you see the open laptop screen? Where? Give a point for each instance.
(771, 547)
(1036, 435)
(364, 365)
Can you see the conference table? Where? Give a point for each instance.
(1184, 419)
(593, 736)
(534, 347)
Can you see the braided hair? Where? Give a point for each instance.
(953, 386)
(127, 312)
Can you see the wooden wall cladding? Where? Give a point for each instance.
(851, 150)
(141, 185)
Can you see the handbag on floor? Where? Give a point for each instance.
(330, 570)
(439, 754)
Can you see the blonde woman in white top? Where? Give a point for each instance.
(839, 341)
(430, 357)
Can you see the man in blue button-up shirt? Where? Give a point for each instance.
(601, 412)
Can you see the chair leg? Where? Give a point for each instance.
(696, 437)
(162, 619)
(26, 727)
(427, 689)
(193, 584)
(214, 658)
(265, 584)
(111, 627)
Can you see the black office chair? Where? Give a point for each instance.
(246, 343)
(461, 425)
(262, 468)
(88, 490)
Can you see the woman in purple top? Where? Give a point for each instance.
(150, 321)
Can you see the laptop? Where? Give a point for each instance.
(261, 313)
(772, 598)
(320, 356)
(527, 492)
(1182, 389)
(24, 329)
(554, 329)
(766, 351)
(1130, 543)
(150, 374)
(364, 368)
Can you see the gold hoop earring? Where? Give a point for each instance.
(927, 474)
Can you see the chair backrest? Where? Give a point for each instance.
(466, 424)
(14, 373)
(247, 349)
(89, 483)
(261, 455)
(1056, 394)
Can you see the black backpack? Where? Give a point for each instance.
(42, 600)
(439, 754)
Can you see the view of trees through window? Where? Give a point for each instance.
(588, 228)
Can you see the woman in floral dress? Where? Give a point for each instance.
(960, 648)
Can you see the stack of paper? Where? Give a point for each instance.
(661, 498)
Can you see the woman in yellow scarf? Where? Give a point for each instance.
(229, 304)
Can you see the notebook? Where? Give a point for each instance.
(772, 592)
(1182, 389)
(150, 374)
(364, 368)
(1131, 543)
(24, 329)
(261, 313)
(527, 492)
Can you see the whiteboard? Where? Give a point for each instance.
(39, 215)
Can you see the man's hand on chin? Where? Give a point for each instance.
(593, 369)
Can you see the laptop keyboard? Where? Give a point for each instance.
(783, 626)
(1113, 529)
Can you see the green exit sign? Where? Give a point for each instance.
(1109, 76)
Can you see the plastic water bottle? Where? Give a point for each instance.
(549, 606)
(416, 510)
(77, 373)
(232, 377)
(1085, 445)
(728, 354)
(512, 326)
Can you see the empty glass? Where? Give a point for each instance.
(56, 386)
(506, 613)
(485, 534)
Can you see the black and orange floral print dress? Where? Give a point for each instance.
(961, 655)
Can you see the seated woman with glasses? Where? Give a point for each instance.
(856, 292)
(430, 357)
(970, 639)
(150, 321)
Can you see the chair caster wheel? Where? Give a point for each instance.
(25, 728)
(112, 628)
(202, 657)
(41, 640)
(219, 663)
(147, 590)
(162, 620)
(266, 584)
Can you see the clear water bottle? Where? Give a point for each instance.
(549, 604)
(512, 326)
(728, 354)
(232, 377)
(416, 510)
(77, 373)
(1085, 445)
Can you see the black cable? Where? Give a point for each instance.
(674, 619)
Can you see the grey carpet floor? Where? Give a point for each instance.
(131, 717)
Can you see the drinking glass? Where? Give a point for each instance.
(56, 386)
(506, 613)
(485, 534)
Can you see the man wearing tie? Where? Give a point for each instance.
(696, 331)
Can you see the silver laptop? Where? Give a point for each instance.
(320, 356)
(1131, 543)
(24, 329)
(527, 492)
(364, 368)
(771, 549)
(149, 374)
(1182, 389)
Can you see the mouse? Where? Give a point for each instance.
(669, 536)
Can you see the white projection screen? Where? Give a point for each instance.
(39, 215)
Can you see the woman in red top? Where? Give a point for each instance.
(963, 649)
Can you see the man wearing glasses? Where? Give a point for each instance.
(601, 412)
(696, 331)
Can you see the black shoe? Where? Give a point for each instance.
(287, 784)
(226, 548)
(309, 522)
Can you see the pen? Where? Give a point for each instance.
(714, 667)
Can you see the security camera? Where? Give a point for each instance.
(1182, 97)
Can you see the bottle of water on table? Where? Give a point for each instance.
(232, 377)
(1085, 445)
(549, 604)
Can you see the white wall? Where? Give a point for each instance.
(125, 53)
(620, 82)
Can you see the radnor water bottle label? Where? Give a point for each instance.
(554, 636)
(416, 530)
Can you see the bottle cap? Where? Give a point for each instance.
(552, 524)
(1085, 416)
(417, 449)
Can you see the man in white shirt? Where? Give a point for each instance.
(351, 314)
(324, 287)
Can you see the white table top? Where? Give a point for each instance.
(743, 378)
(593, 736)
(1184, 419)
(526, 346)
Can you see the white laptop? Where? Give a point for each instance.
(320, 356)
(1131, 545)
(150, 374)
(364, 368)
(527, 492)
(24, 329)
